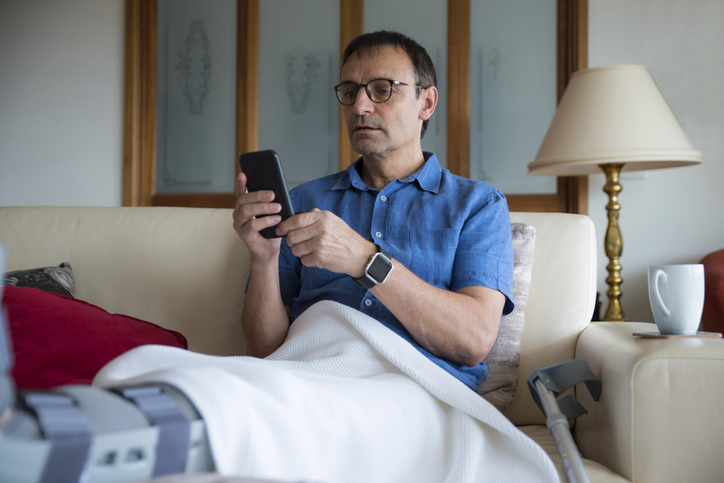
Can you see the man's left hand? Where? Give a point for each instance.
(321, 239)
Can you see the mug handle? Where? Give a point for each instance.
(657, 295)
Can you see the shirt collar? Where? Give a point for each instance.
(428, 176)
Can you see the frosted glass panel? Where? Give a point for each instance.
(513, 91)
(196, 116)
(426, 22)
(298, 66)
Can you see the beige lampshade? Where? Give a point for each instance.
(613, 114)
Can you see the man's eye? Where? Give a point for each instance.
(382, 91)
(348, 91)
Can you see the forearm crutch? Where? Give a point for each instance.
(546, 384)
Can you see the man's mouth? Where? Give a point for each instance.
(363, 128)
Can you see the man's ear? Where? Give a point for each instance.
(429, 97)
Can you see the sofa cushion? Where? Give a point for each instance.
(51, 279)
(59, 340)
(500, 386)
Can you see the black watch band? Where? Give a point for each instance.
(377, 270)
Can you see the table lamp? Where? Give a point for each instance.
(614, 119)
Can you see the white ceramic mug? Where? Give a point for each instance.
(676, 294)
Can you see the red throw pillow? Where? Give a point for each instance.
(60, 340)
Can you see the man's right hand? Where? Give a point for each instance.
(248, 223)
(265, 319)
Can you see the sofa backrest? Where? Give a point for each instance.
(181, 268)
(186, 269)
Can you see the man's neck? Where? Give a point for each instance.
(379, 170)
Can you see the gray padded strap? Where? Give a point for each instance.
(66, 427)
(174, 427)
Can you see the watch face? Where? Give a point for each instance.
(379, 268)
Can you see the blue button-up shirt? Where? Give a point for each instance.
(450, 231)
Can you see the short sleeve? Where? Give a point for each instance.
(484, 256)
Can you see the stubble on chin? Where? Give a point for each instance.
(365, 143)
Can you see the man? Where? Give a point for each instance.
(438, 246)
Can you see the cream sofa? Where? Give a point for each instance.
(660, 417)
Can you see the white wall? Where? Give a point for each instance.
(61, 102)
(673, 215)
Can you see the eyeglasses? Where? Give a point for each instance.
(378, 90)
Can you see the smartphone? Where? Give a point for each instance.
(263, 171)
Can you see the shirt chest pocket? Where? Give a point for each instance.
(433, 255)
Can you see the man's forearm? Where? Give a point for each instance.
(265, 319)
(459, 326)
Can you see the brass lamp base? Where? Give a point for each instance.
(613, 243)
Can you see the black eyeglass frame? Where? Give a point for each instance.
(367, 90)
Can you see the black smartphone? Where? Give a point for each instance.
(263, 171)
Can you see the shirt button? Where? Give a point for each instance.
(368, 302)
(383, 198)
(378, 234)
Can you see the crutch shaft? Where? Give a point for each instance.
(558, 426)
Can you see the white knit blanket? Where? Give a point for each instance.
(343, 400)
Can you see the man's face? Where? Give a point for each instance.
(383, 128)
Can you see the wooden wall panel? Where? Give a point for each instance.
(139, 112)
(458, 92)
(247, 82)
(351, 25)
(572, 56)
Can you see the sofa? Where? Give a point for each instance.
(659, 417)
(712, 318)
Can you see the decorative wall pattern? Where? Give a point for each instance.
(301, 76)
(194, 75)
(194, 66)
(196, 96)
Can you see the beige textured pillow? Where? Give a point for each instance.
(500, 386)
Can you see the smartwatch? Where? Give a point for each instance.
(377, 270)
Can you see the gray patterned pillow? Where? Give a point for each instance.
(500, 386)
(50, 279)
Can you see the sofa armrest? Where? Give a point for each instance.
(661, 413)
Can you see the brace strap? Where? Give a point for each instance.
(174, 427)
(66, 427)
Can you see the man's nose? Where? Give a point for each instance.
(362, 102)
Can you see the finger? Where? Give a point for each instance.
(308, 250)
(293, 223)
(252, 205)
(240, 185)
(246, 199)
(254, 197)
(307, 226)
(249, 212)
(240, 188)
(253, 210)
(255, 225)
